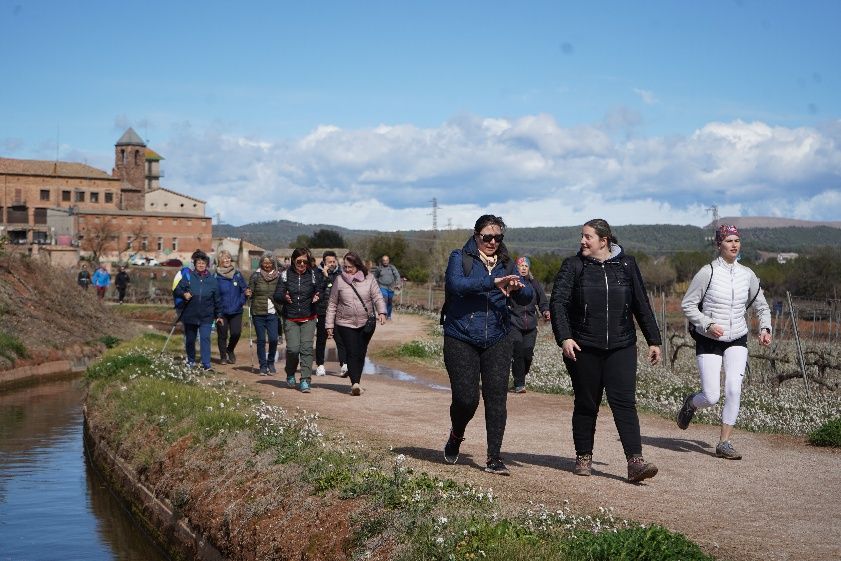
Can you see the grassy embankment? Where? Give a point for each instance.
(208, 446)
(765, 407)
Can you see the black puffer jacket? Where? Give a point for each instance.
(301, 289)
(525, 317)
(593, 303)
(326, 287)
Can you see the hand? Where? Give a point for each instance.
(716, 331)
(381, 317)
(570, 346)
(288, 297)
(220, 321)
(508, 283)
(329, 333)
(654, 354)
(187, 296)
(547, 316)
(315, 297)
(764, 338)
(248, 293)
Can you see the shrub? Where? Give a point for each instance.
(828, 434)
(109, 341)
(653, 543)
(11, 348)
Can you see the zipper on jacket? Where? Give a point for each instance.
(607, 309)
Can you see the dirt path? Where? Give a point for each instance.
(782, 502)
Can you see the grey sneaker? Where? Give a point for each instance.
(583, 464)
(638, 469)
(686, 412)
(496, 466)
(451, 448)
(726, 450)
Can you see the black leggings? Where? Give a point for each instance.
(615, 373)
(467, 365)
(232, 324)
(321, 342)
(356, 347)
(522, 354)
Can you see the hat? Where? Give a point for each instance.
(524, 261)
(725, 230)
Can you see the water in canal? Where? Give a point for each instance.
(53, 504)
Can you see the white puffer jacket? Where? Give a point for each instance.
(725, 301)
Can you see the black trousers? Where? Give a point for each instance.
(356, 347)
(613, 372)
(321, 342)
(522, 354)
(467, 366)
(228, 334)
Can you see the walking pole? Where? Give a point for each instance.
(250, 340)
(174, 325)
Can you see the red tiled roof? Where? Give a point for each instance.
(47, 168)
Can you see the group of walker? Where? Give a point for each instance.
(596, 297)
(304, 302)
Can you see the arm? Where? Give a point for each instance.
(693, 297)
(559, 302)
(542, 302)
(642, 308)
(458, 285)
(524, 295)
(762, 310)
(377, 301)
(332, 304)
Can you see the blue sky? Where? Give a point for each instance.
(359, 113)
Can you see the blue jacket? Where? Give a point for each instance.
(205, 305)
(232, 293)
(101, 278)
(477, 311)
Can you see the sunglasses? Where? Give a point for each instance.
(488, 238)
(301, 261)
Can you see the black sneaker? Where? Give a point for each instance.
(496, 466)
(232, 358)
(687, 411)
(451, 448)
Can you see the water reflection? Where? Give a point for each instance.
(381, 370)
(52, 503)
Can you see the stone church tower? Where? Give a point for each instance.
(130, 167)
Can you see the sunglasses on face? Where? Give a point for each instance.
(488, 238)
(301, 261)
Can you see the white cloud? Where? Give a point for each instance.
(647, 96)
(532, 170)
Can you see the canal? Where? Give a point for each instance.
(53, 504)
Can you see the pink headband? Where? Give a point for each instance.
(725, 230)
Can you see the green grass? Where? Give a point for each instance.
(11, 348)
(828, 434)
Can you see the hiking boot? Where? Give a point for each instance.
(496, 466)
(321, 371)
(223, 358)
(210, 370)
(638, 469)
(264, 371)
(305, 385)
(290, 381)
(232, 358)
(355, 390)
(583, 464)
(726, 450)
(451, 448)
(686, 412)
(343, 370)
(272, 369)
(519, 389)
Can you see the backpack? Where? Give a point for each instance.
(694, 332)
(467, 267)
(179, 301)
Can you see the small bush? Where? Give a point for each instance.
(109, 341)
(118, 365)
(829, 434)
(414, 349)
(11, 348)
(653, 543)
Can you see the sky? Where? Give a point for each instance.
(360, 114)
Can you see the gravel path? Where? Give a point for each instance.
(782, 502)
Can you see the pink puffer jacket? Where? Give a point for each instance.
(344, 307)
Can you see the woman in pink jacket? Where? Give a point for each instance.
(356, 304)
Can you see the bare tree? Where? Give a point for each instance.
(134, 241)
(99, 237)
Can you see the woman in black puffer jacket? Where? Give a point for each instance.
(596, 296)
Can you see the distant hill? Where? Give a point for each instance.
(772, 222)
(654, 239)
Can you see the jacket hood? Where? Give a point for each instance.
(616, 253)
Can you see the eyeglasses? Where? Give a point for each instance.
(488, 238)
(301, 261)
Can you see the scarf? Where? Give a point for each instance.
(227, 272)
(488, 260)
(358, 276)
(203, 273)
(270, 276)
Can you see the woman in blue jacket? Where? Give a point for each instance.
(480, 279)
(232, 286)
(202, 306)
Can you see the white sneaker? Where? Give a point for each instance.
(321, 371)
(344, 369)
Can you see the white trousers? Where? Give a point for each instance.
(735, 359)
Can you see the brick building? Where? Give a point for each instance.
(110, 215)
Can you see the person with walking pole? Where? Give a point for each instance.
(202, 288)
(715, 304)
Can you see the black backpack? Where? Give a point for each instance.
(467, 267)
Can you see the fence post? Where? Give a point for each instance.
(665, 334)
(796, 332)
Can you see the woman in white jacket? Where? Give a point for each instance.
(715, 304)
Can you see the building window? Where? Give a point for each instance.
(145, 244)
(80, 196)
(109, 197)
(174, 244)
(65, 196)
(45, 194)
(40, 216)
(94, 197)
(123, 155)
(136, 157)
(160, 244)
